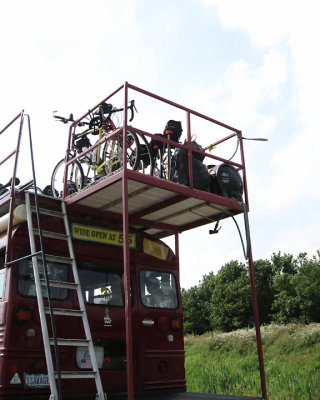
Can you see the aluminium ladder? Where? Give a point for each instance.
(40, 282)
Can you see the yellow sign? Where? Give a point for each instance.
(101, 235)
(155, 249)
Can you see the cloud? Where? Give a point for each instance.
(277, 99)
(267, 22)
(244, 94)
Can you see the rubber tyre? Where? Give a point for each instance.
(75, 180)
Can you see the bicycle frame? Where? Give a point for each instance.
(110, 162)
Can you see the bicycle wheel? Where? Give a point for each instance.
(75, 179)
(145, 164)
(112, 156)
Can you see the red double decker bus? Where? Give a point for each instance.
(158, 352)
(130, 334)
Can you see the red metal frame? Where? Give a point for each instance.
(182, 192)
(12, 187)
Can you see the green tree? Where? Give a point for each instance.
(286, 305)
(308, 287)
(264, 274)
(283, 264)
(195, 320)
(231, 306)
(196, 305)
(288, 290)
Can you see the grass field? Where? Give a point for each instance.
(227, 363)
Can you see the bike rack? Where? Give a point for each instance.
(126, 175)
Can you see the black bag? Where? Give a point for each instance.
(82, 144)
(201, 177)
(48, 191)
(3, 189)
(173, 129)
(196, 146)
(156, 144)
(144, 155)
(226, 181)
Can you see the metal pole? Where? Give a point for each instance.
(126, 256)
(190, 154)
(10, 123)
(45, 267)
(176, 237)
(13, 188)
(256, 318)
(252, 280)
(244, 173)
(177, 251)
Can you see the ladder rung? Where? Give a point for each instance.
(60, 284)
(69, 342)
(51, 213)
(58, 259)
(53, 235)
(64, 311)
(76, 374)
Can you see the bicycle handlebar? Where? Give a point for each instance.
(70, 119)
(104, 109)
(63, 119)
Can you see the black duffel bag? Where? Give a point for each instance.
(226, 181)
(201, 176)
(173, 130)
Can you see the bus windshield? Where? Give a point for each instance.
(101, 286)
(158, 289)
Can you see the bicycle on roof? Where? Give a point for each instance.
(103, 158)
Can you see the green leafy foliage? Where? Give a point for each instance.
(288, 290)
(230, 300)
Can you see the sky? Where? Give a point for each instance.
(251, 64)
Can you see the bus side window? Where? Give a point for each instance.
(2, 274)
(26, 284)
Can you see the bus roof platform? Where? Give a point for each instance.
(158, 207)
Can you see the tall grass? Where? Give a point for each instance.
(227, 363)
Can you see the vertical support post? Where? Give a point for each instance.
(67, 158)
(190, 166)
(13, 189)
(126, 256)
(168, 160)
(256, 319)
(176, 236)
(244, 174)
(252, 280)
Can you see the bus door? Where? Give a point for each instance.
(102, 286)
(160, 333)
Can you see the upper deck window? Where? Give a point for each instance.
(56, 272)
(158, 289)
(101, 286)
